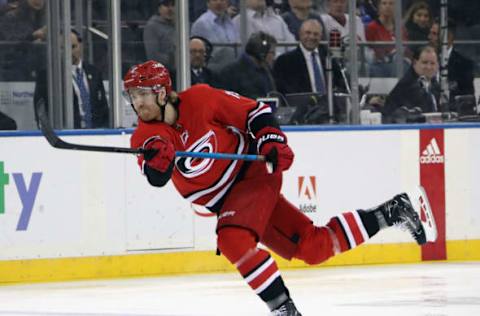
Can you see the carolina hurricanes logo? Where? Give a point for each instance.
(193, 167)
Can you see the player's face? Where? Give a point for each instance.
(76, 49)
(427, 64)
(386, 7)
(144, 101)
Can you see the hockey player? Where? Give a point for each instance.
(245, 195)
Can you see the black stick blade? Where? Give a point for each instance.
(55, 141)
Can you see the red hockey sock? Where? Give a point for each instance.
(353, 228)
(255, 265)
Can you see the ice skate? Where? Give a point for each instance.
(286, 309)
(413, 212)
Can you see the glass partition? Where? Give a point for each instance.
(218, 42)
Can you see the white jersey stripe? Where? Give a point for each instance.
(267, 282)
(259, 270)
(347, 230)
(360, 226)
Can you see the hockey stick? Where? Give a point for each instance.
(57, 142)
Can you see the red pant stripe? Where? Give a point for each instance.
(354, 227)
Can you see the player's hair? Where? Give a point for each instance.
(77, 34)
(259, 44)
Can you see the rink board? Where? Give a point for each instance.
(75, 215)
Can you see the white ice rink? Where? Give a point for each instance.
(424, 289)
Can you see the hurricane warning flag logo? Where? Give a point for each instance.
(431, 154)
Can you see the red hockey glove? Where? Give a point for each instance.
(163, 157)
(272, 143)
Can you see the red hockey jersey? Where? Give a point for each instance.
(210, 120)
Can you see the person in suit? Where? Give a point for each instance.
(460, 68)
(89, 99)
(250, 75)
(200, 51)
(417, 92)
(303, 69)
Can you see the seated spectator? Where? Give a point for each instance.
(200, 50)
(24, 23)
(460, 68)
(90, 105)
(338, 19)
(418, 21)
(159, 35)
(261, 17)
(383, 29)
(300, 11)
(417, 92)
(7, 123)
(251, 75)
(303, 69)
(7, 5)
(217, 26)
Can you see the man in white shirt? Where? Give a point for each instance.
(262, 18)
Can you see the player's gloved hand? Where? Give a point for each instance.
(272, 143)
(162, 154)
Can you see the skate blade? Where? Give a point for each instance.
(422, 207)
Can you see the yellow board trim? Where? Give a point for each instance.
(137, 265)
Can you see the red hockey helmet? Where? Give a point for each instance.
(149, 74)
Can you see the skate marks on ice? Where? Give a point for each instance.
(432, 289)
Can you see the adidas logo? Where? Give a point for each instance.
(432, 153)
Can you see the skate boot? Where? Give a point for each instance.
(413, 212)
(286, 309)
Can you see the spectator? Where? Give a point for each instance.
(24, 23)
(303, 69)
(418, 21)
(336, 18)
(383, 29)
(417, 92)
(89, 100)
(460, 68)
(251, 75)
(261, 17)
(159, 35)
(200, 50)
(6, 6)
(300, 11)
(217, 26)
(7, 123)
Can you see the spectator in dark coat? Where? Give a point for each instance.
(460, 68)
(418, 21)
(251, 75)
(417, 92)
(293, 71)
(200, 50)
(24, 23)
(90, 107)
